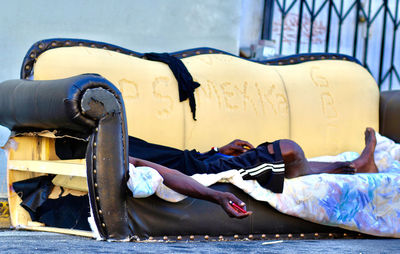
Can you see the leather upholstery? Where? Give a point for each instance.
(389, 120)
(155, 217)
(87, 105)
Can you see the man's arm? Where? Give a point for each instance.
(188, 186)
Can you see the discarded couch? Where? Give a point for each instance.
(322, 101)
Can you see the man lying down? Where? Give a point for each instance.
(268, 164)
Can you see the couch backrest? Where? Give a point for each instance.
(324, 105)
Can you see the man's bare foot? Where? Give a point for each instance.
(365, 163)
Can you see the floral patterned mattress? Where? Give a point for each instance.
(365, 202)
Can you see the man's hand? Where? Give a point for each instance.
(225, 199)
(188, 186)
(236, 147)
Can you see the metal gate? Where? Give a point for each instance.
(365, 29)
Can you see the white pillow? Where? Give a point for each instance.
(143, 181)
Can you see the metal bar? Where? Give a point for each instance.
(283, 16)
(335, 9)
(328, 29)
(291, 6)
(356, 24)
(320, 8)
(340, 27)
(393, 45)
(299, 27)
(396, 74)
(382, 44)
(307, 6)
(311, 27)
(367, 34)
(349, 10)
(266, 32)
(386, 75)
(377, 12)
(279, 6)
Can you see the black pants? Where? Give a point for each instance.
(258, 163)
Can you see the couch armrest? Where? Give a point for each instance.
(389, 118)
(90, 106)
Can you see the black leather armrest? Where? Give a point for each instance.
(90, 105)
(389, 115)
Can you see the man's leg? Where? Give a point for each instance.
(297, 165)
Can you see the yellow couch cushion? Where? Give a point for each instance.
(323, 105)
(331, 103)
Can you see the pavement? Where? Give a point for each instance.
(14, 241)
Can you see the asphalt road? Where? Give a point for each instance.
(12, 241)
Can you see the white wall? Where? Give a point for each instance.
(155, 25)
(251, 22)
(143, 26)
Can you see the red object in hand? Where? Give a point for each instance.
(237, 207)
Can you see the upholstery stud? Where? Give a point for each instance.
(27, 67)
(179, 237)
(94, 144)
(53, 44)
(41, 46)
(316, 234)
(302, 235)
(289, 235)
(165, 238)
(206, 237)
(100, 212)
(97, 198)
(94, 171)
(151, 238)
(103, 225)
(263, 236)
(344, 234)
(236, 236)
(94, 157)
(191, 237)
(220, 238)
(330, 235)
(251, 236)
(277, 236)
